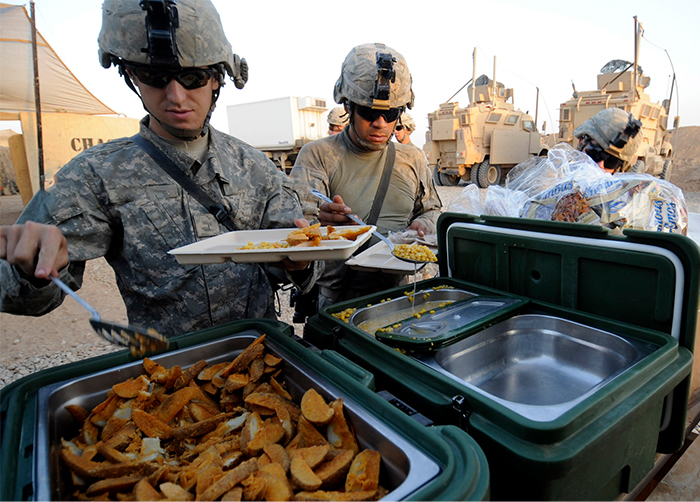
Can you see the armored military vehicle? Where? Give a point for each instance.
(482, 142)
(621, 84)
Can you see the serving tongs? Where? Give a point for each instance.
(138, 340)
(392, 246)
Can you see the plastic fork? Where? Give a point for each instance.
(138, 340)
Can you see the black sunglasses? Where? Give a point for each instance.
(191, 78)
(398, 128)
(596, 152)
(370, 114)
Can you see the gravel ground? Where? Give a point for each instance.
(16, 362)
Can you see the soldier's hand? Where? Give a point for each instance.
(418, 227)
(39, 250)
(336, 213)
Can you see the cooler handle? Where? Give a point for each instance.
(350, 368)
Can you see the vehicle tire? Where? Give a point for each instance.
(639, 167)
(484, 174)
(449, 180)
(436, 176)
(666, 173)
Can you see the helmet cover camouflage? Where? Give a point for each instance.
(359, 75)
(338, 116)
(605, 126)
(407, 121)
(199, 37)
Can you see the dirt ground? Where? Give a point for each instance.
(68, 325)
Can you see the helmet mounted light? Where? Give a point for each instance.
(631, 130)
(161, 22)
(386, 75)
(623, 137)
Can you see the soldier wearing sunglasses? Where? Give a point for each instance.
(611, 138)
(375, 88)
(404, 129)
(116, 200)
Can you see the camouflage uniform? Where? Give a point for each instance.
(114, 201)
(336, 166)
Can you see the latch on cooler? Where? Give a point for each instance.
(397, 403)
(459, 404)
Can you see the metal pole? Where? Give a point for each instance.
(473, 75)
(636, 59)
(37, 100)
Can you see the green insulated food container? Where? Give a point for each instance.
(573, 391)
(418, 462)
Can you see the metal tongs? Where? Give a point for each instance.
(138, 340)
(357, 220)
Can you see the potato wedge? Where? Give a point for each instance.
(230, 479)
(277, 486)
(150, 425)
(315, 409)
(112, 485)
(364, 472)
(338, 496)
(333, 472)
(338, 431)
(312, 455)
(302, 475)
(144, 491)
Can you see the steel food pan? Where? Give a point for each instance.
(404, 468)
(539, 366)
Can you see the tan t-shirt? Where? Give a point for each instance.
(336, 166)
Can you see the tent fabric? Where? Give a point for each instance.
(60, 90)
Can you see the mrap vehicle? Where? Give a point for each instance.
(621, 84)
(482, 142)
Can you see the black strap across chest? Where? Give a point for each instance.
(166, 164)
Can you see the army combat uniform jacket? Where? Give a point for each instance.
(336, 166)
(114, 201)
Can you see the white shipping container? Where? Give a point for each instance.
(278, 124)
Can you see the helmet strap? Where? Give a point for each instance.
(355, 138)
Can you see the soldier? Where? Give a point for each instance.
(611, 138)
(116, 200)
(404, 129)
(384, 183)
(338, 118)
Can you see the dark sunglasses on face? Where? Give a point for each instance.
(596, 152)
(191, 78)
(370, 114)
(398, 128)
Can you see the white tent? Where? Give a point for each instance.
(60, 89)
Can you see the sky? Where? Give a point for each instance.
(296, 48)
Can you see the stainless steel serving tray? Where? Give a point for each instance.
(404, 468)
(538, 366)
(391, 311)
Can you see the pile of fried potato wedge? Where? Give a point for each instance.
(227, 431)
(313, 234)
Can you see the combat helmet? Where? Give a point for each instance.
(408, 122)
(616, 131)
(168, 35)
(338, 116)
(375, 76)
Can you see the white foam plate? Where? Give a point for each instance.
(379, 258)
(226, 246)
